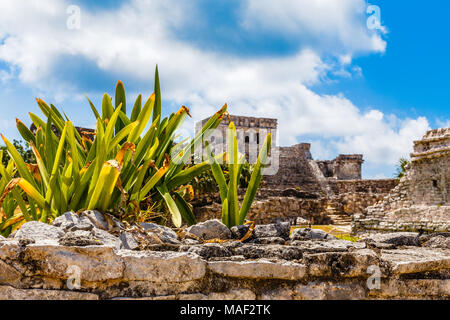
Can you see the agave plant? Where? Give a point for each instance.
(232, 215)
(121, 169)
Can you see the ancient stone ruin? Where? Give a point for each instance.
(421, 201)
(86, 256)
(320, 191)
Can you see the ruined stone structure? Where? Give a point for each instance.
(325, 190)
(251, 133)
(52, 262)
(421, 201)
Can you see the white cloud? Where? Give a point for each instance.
(136, 37)
(337, 25)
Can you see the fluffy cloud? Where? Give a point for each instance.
(131, 40)
(335, 25)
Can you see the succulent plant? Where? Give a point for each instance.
(120, 168)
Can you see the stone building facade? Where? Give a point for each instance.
(421, 201)
(321, 191)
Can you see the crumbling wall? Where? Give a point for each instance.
(421, 200)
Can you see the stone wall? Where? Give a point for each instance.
(40, 263)
(354, 196)
(347, 198)
(274, 209)
(421, 200)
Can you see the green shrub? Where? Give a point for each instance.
(123, 170)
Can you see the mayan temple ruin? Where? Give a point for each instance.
(321, 191)
(421, 201)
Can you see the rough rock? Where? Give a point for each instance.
(210, 250)
(106, 238)
(96, 263)
(162, 266)
(268, 240)
(396, 238)
(340, 264)
(96, 218)
(280, 230)
(254, 251)
(128, 241)
(310, 234)
(416, 260)
(259, 269)
(438, 242)
(238, 232)
(8, 274)
(68, 220)
(300, 221)
(10, 293)
(234, 294)
(317, 246)
(79, 238)
(329, 291)
(211, 229)
(38, 231)
(165, 234)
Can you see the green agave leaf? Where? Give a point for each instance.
(255, 179)
(185, 210)
(171, 205)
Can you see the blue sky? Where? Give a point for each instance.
(315, 65)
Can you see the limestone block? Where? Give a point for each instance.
(162, 266)
(259, 269)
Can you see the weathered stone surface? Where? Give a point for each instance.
(341, 264)
(277, 294)
(396, 238)
(234, 294)
(162, 266)
(416, 260)
(79, 238)
(329, 291)
(238, 232)
(211, 229)
(420, 202)
(254, 251)
(8, 274)
(413, 288)
(272, 230)
(96, 263)
(438, 242)
(96, 218)
(269, 240)
(165, 234)
(128, 241)
(259, 269)
(106, 238)
(310, 234)
(10, 293)
(210, 250)
(38, 231)
(67, 220)
(318, 246)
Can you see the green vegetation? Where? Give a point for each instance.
(401, 168)
(228, 190)
(124, 170)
